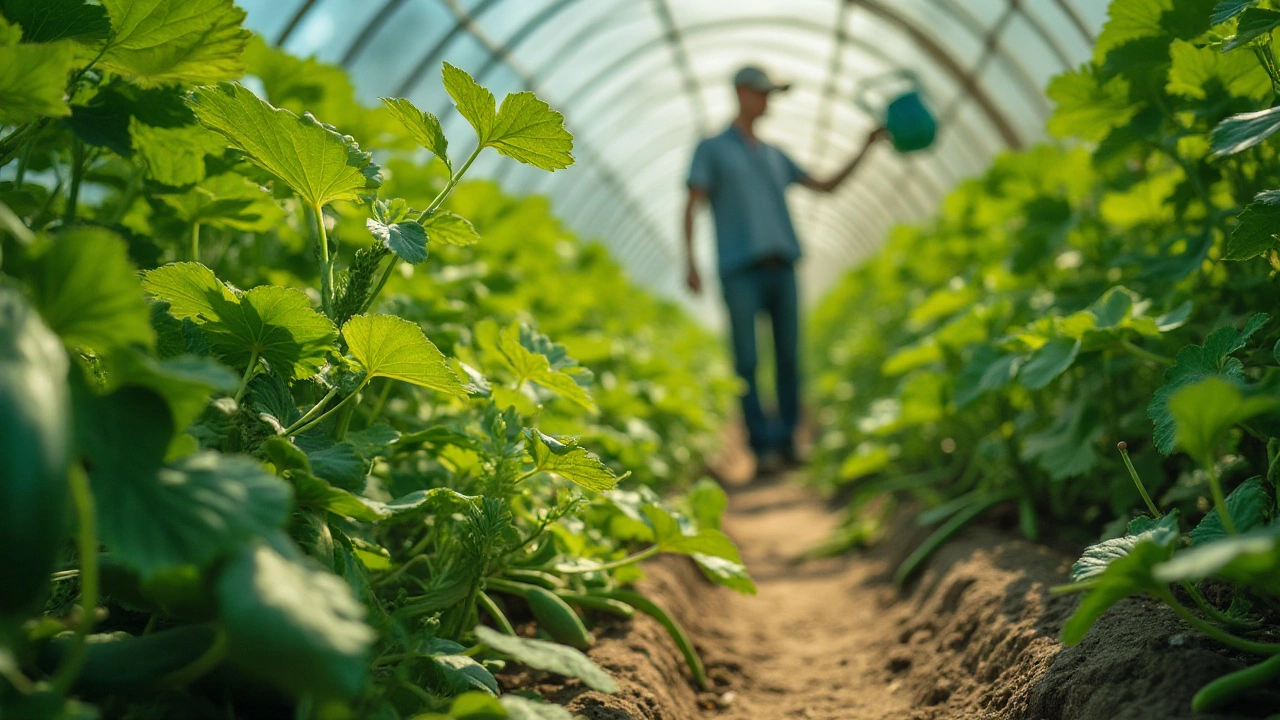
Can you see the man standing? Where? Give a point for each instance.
(745, 179)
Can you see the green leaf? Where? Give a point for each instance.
(1241, 132)
(1204, 412)
(225, 201)
(1124, 576)
(451, 229)
(36, 448)
(166, 42)
(185, 381)
(276, 323)
(707, 502)
(564, 458)
(314, 159)
(1048, 362)
(521, 708)
(293, 625)
(46, 21)
(987, 370)
(671, 538)
(474, 103)
(154, 516)
(423, 127)
(1194, 363)
(1099, 556)
(33, 81)
(1068, 447)
(475, 706)
(1252, 559)
(1227, 9)
(532, 357)
(455, 673)
(728, 573)
(392, 347)
(1255, 232)
(524, 128)
(407, 239)
(1088, 107)
(1197, 71)
(173, 156)
(1249, 506)
(315, 492)
(1254, 23)
(86, 288)
(549, 656)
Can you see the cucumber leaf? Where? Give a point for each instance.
(154, 516)
(407, 239)
(86, 288)
(524, 128)
(1195, 363)
(1205, 411)
(173, 156)
(451, 229)
(315, 160)
(33, 81)
(1250, 507)
(166, 42)
(1129, 574)
(564, 458)
(46, 21)
(1099, 556)
(292, 624)
(275, 323)
(1048, 362)
(549, 656)
(1252, 559)
(423, 127)
(671, 538)
(392, 347)
(1256, 227)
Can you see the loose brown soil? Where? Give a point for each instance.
(974, 637)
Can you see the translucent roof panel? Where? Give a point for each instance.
(640, 81)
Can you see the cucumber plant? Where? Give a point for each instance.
(1112, 289)
(284, 426)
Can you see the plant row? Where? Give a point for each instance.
(292, 424)
(1115, 289)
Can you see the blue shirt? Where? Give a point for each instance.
(745, 183)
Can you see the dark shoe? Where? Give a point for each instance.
(792, 459)
(769, 463)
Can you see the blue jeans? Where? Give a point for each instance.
(769, 289)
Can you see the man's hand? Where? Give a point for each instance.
(877, 135)
(694, 280)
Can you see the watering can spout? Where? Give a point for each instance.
(906, 118)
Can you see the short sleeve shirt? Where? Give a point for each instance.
(746, 184)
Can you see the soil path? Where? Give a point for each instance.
(816, 632)
(973, 638)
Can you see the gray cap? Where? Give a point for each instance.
(756, 79)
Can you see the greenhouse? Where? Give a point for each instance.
(639, 359)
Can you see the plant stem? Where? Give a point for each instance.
(435, 205)
(495, 612)
(77, 171)
(195, 242)
(1133, 473)
(312, 412)
(1222, 636)
(448, 188)
(297, 429)
(382, 401)
(1219, 501)
(23, 157)
(1211, 612)
(1145, 354)
(326, 265)
(87, 545)
(199, 667)
(248, 374)
(628, 560)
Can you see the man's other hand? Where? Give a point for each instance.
(694, 280)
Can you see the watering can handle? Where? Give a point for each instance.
(865, 85)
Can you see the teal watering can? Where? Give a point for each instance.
(907, 119)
